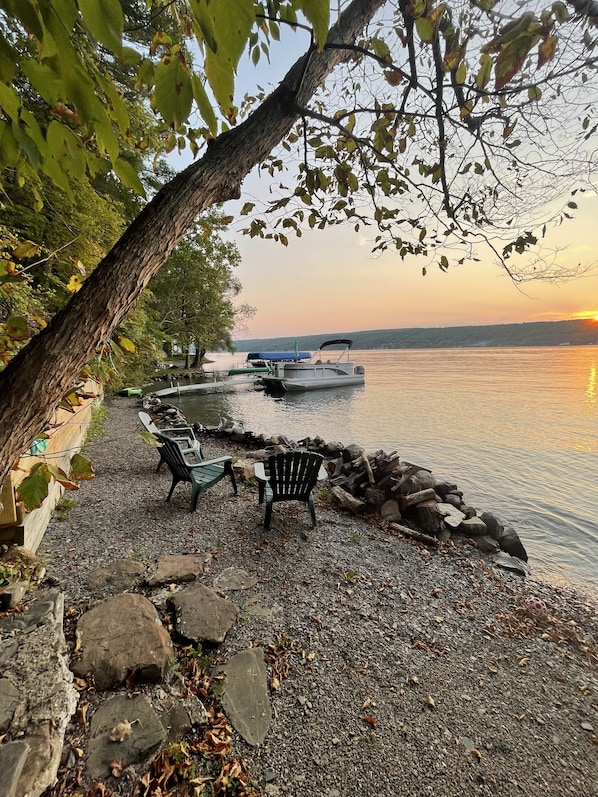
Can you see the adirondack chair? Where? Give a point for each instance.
(185, 435)
(187, 465)
(290, 476)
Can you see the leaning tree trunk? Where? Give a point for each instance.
(33, 383)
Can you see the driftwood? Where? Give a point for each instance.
(348, 501)
(429, 517)
(415, 535)
(368, 468)
(416, 498)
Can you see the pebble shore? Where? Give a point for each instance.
(406, 671)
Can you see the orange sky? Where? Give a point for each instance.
(328, 281)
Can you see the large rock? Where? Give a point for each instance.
(179, 568)
(473, 527)
(116, 577)
(506, 536)
(12, 760)
(121, 636)
(37, 692)
(245, 697)
(202, 615)
(124, 730)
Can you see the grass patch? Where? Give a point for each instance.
(63, 507)
(99, 416)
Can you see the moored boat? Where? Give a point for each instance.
(262, 362)
(298, 376)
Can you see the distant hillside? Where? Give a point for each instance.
(540, 333)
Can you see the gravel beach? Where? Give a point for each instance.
(400, 670)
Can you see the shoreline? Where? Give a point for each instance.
(446, 658)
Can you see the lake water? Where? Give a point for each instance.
(516, 429)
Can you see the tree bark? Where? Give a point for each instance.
(34, 382)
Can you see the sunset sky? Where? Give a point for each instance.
(329, 282)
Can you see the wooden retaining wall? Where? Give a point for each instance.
(66, 435)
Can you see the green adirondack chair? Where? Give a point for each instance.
(290, 476)
(187, 465)
(185, 435)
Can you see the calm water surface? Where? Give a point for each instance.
(516, 429)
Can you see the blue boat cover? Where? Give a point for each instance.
(279, 356)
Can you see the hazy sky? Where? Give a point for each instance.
(329, 282)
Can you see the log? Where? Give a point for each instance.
(347, 501)
(416, 498)
(368, 468)
(416, 535)
(429, 517)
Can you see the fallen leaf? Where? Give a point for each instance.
(82, 713)
(118, 767)
(430, 701)
(121, 731)
(274, 683)
(370, 720)
(476, 753)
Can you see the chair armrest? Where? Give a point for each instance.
(216, 460)
(187, 431)
(259, 469)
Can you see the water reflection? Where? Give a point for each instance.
(591, 388)
(515, 428)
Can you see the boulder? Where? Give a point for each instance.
(177, 568)
(473, 527)
(117, 577)
(126, 730)
(452, 516)
(202, 615)
(245, 697)
(121, 636)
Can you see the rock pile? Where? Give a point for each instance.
(123, 642)
(414, 501)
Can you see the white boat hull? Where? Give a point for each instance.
(298, 378)
(300, 385)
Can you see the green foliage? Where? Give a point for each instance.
(63, 507)
(81, 62)
(192, 295)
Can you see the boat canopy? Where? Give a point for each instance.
(279, 356)
(337, 342)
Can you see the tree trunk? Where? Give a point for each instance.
(34, 382)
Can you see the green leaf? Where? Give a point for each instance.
(237, 20)
(173, 94)
(148, 437)
(34, 488)
(25, 250)
(105, 21)
(484, 72)
(204, 104)
(126, 344)
(426, 29)
(534, 93)
(16, 327)
(247, 208)
(10, 101)
(81, 468)
(61, 477)
(128, 176)
(317, 12)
